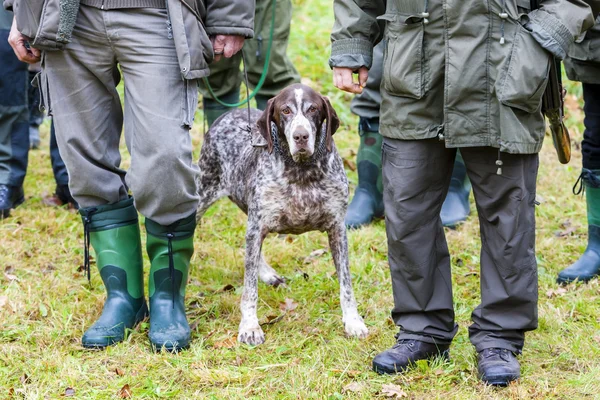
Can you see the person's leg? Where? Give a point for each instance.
(587, 266)
(225, 79)
(159, 112)
(416, 175)
(14, 127)
(456, 207)
(281, 71)
(509, 289)
(88, 128)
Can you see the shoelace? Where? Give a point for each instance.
(87, 220)
(502, 353)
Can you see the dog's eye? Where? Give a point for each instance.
(286, 111)
(312, 109)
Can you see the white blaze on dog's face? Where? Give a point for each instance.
(300, 119)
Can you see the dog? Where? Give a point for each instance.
(282, 169)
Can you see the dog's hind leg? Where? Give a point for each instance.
(209, 185)
(250, 331)
(338, 242)
(268, 275)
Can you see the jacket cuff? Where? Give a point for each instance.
(550, 33)
(230, 30)
(8, 5)
(351, 53)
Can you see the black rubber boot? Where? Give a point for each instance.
(405, 353)
(170, 249)
(456, 209)
(114, 233)
(588, 265)
(213, 110)
(498, 367)
(10, 197)
(367, 203)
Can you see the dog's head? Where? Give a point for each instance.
(302, 116)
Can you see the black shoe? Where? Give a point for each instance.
(10, 197)
(405, 353)
(498, 367)
(64, 194)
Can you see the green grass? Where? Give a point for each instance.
(46, 303)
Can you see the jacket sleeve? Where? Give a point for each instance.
(230, 17)
(8, 4)
(557, 23)
(356, 31)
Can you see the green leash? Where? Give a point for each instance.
(263, 77)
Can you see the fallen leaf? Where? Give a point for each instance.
(238, 361)
(314, 255)
(10, 269)
(3, 301)
(439, 371)
(10, 277)
(124, 392)
(227, 288)
(119, 371)
(52, 201)
(556, 292)
(271, 319)
(393, 391)
(355, 387)
(225, 344)
(567, 232)
(69, 392)
(24, 379)
(288, 305)
(351, 165)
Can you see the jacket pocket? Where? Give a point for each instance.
(404, 69)
(526, 76)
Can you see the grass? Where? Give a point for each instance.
(46, 303)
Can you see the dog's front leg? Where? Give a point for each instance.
(250, 331)
(338, 242)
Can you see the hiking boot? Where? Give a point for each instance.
(456, 209)
(587, 266)
(367, 203)
(498, 367)
(405, 353)
(114, 234)
(170, 249)
(10, 197)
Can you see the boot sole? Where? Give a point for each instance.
(566, 281)
(388, 371)
(139, 317)
(499, 380)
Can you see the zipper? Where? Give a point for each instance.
(102, 6)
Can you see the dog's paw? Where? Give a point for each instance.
(252, 336)
(355, 327)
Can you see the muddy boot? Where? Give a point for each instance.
(213, 109)
(367, 203)
(588, 265)
(114, 234)
(456, 209)
(170, 249)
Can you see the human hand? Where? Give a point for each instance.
(19, 44)
(226, 45)
(343, 78)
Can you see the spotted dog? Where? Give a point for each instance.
(282, 169)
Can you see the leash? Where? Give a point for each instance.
(263, 76)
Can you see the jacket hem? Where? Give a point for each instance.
(230, 30)
(345, 50)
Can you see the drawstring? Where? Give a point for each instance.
(586, 176)
(87, 220)
(499, 163)
(503, 16)
(170, 237)
(425, 14)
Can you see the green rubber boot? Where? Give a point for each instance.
(114, 234)
(213, 109)
(588, 265)
(367, 203)
(456, 208)
(170, 249)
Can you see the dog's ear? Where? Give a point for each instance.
(333, 122)
(264, 124)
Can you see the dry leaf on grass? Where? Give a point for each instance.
(119, 371)
(225, 344)
(10, 277)
(69, 392)
(351, 165)
(124, 392)
(394, 391)
(556, 292)
(288, 305)
(227, 288)
(314, 255)
(355, 387)
(3, 301)
(272, 319)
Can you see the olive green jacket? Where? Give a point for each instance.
(49, 24)
(466, 71)
(583, 62)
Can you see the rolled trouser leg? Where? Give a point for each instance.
(506, 209)
(367, 203)
(456, 206)
(170, 249)
(114, 234)
(588, 265)
(416, 175)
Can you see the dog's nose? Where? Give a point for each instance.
(300, 135)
